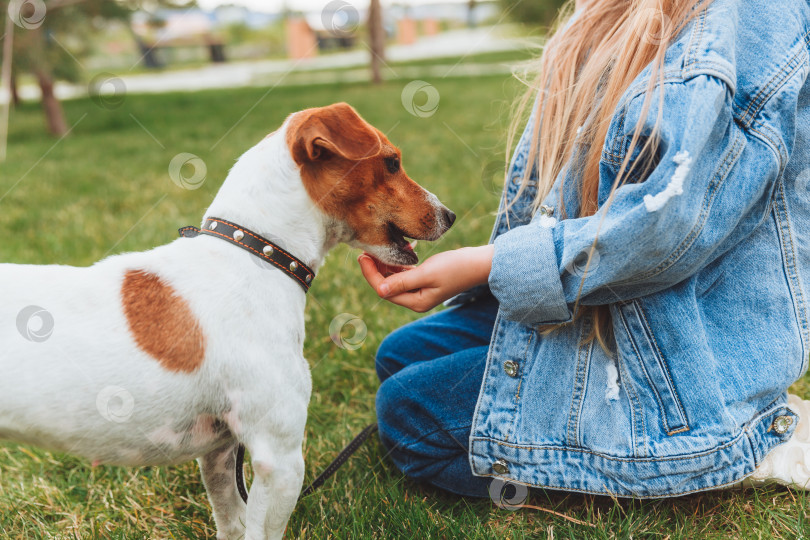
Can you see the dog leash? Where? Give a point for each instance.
(268, 251)
(338, 462)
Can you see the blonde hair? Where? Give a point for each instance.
(586, 67)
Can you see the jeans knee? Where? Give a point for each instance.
(400, 417)
(389, 408)
(420, 448)
(389, 355)
(408, 429)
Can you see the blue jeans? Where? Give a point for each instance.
(431, 372)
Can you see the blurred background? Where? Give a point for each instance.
(62, 49)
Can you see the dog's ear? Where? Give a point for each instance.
(316, 134)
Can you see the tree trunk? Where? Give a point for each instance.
(471, 13)
(148, 54)
(51, 106)
(15, 94)
(5, 79)
(376, 35)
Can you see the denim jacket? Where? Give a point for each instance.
(703, 262)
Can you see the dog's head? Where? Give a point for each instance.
(354, 174)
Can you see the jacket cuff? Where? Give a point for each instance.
(525, 277)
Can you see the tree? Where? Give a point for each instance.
(376, 36)
(50, 35)
(42, 29)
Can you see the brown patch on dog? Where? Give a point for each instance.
(162, 322)
(344, 170)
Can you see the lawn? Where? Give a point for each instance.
(105, 189)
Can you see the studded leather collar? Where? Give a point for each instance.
(257, 245)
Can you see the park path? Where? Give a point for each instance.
(349, 66)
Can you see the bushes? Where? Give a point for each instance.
(534, 12)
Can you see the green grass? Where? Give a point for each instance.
(105, 189)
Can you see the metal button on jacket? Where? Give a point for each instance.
(782, 424)
(500, 467)
(511, 368)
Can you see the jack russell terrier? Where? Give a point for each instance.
(190, 349)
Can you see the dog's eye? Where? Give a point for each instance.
(392, 164)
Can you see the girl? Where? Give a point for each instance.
(635, 323)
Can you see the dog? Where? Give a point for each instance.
(192, 348)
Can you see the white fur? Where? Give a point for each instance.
(89, 390)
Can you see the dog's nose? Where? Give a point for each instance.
(449, 217)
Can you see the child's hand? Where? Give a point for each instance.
(440, 277)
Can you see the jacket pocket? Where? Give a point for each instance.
(654, 367)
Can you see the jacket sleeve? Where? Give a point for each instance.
(655, 233)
